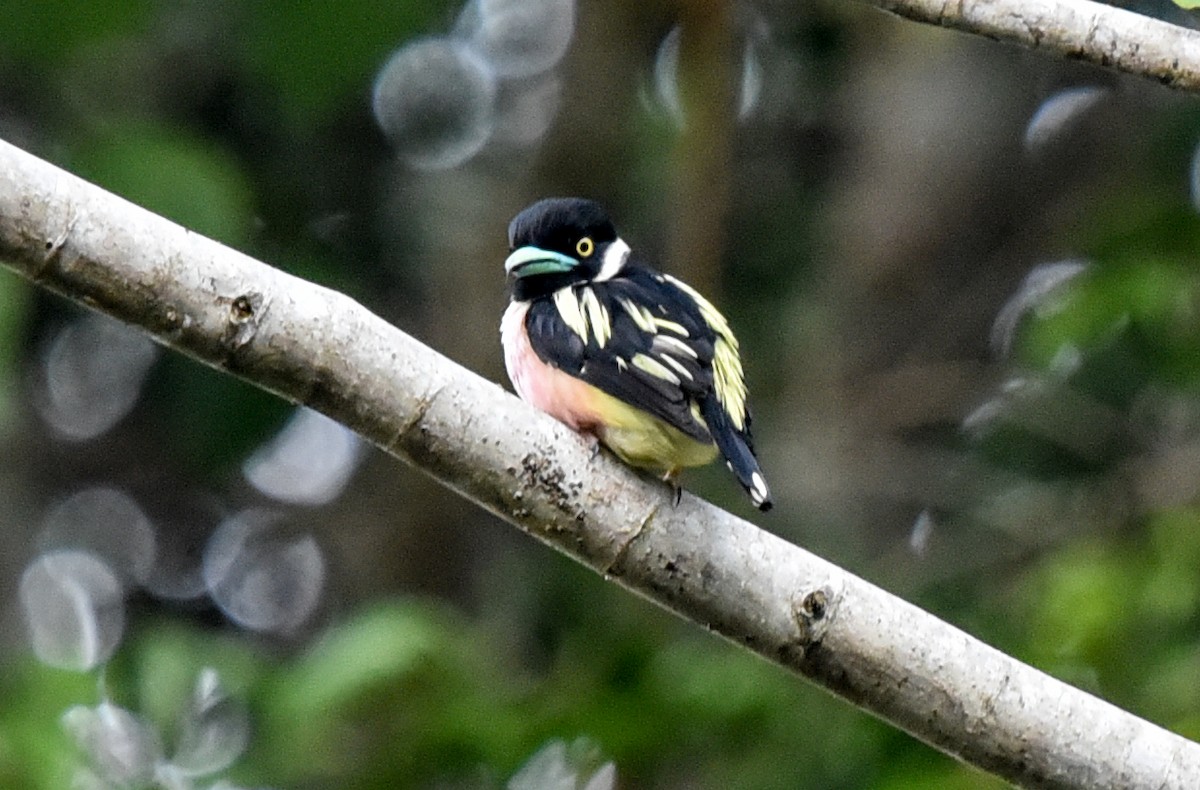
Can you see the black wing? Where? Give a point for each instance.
(636, 337)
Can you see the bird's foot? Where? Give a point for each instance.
(671, 478)
(593, 445)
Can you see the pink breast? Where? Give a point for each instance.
(562, 396)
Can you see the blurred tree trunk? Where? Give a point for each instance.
(703, 153)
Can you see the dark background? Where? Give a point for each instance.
(965, 281)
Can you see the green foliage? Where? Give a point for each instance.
(1118, 616)
(314, 73)
(34, 751)
(1118, 612)
(1140, 301)
(406, 694)
(50, 31)
(171, 172)
(272, 135)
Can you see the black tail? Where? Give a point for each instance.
(736, 446)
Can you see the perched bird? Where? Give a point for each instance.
(604, 343)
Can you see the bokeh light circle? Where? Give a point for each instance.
(262, 577)
(519, 38)
(74, 608)
(435, 101)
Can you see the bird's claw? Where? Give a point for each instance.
(671, 478)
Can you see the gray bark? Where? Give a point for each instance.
(315, 346)
(1077, 29)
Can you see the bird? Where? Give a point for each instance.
(637, 359)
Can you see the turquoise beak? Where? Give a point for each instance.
(528, 261)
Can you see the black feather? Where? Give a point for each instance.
(669, 328)
(736, 446)
(558, 345)
(557, 223)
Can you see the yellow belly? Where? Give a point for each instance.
(640, 439)
(637, 437)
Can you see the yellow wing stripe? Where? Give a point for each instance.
(679, 368)
(654, 368)
(568, 307)
(640, 315)
(728, 379)
(597, 316)
(670, 326)
(648, 322)
(584, 314)
(665, 344)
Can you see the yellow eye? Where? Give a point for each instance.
(585, 247)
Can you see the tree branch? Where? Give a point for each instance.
(315, 346)
(1079, 29)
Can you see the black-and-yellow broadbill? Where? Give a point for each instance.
(604, 343)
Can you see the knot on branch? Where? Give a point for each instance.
(812, 613)
(241, 325)
(52, 248)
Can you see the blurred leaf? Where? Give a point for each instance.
(120, 746)
(332, 50)
(562, 766)
(378, 646)
(213, 729)
(35, 751)
(160, 666)
(1080, 597)
(911, 772)
(1172, 594)
(49, 31)
(174, 173)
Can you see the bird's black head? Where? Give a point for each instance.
(561, 241)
